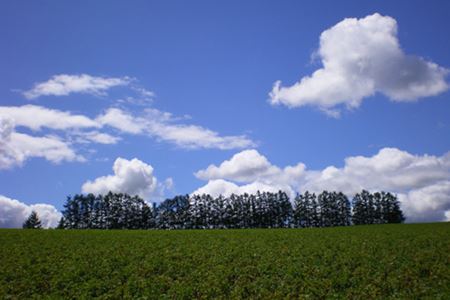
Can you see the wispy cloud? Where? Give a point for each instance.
(64, 84)
(61, 131)
(16, 148)
(165, 127)
(38, 117)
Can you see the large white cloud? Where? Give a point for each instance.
(361, 57)
(16, 148)
(410, 176)
(64, 84)
(13, 213)
(133, 177)
(390, 169)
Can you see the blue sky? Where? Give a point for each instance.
(213, 64)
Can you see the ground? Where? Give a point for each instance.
(360, 262)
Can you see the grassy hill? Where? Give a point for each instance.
(360, 262)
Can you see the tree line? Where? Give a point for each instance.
(260, 210)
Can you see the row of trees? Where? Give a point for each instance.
(261, 210)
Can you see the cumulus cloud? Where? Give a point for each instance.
(64, 84)
(253, 171)
(13, 213)
(430, 203)
(16, 148)
(390, 169)
(361, 57)
(410, 176)
(133, 177)
(165, 127)
(250, 165)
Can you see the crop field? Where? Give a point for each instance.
(358, 262)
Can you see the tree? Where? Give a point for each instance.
(300, 213)
(364, 211)
(328, 210)
(391, 211)
(344, 210)
(32, 222)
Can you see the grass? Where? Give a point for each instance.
(360, 262)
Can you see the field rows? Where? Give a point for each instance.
(360, 262)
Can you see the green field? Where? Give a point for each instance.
(360, 262)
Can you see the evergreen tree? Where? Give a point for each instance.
(326, 209)
(300, 212)
(391, 211)
(344, 210)
(359, 216)
(314, 212)
(32, 222)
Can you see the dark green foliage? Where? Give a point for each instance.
(361, 262)
(32, 222)
(376, 208)
(262, 210)
(173, 213)
(328, 209)
(111, 211)
(344, 210)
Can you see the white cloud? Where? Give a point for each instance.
(430, 203)
(254, 171)
(37, 117)
(248, 166)
(133, 177)
(13, 213)
(96, 137)
(64, 130)
(67, 129)
(410, 176)
(165, 127)
(63, 85)
(122, 121)
(390, 169)
(361, 57)
(16, 148)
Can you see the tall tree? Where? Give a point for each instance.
(391, 210)
(344, 210)
(359, 213)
